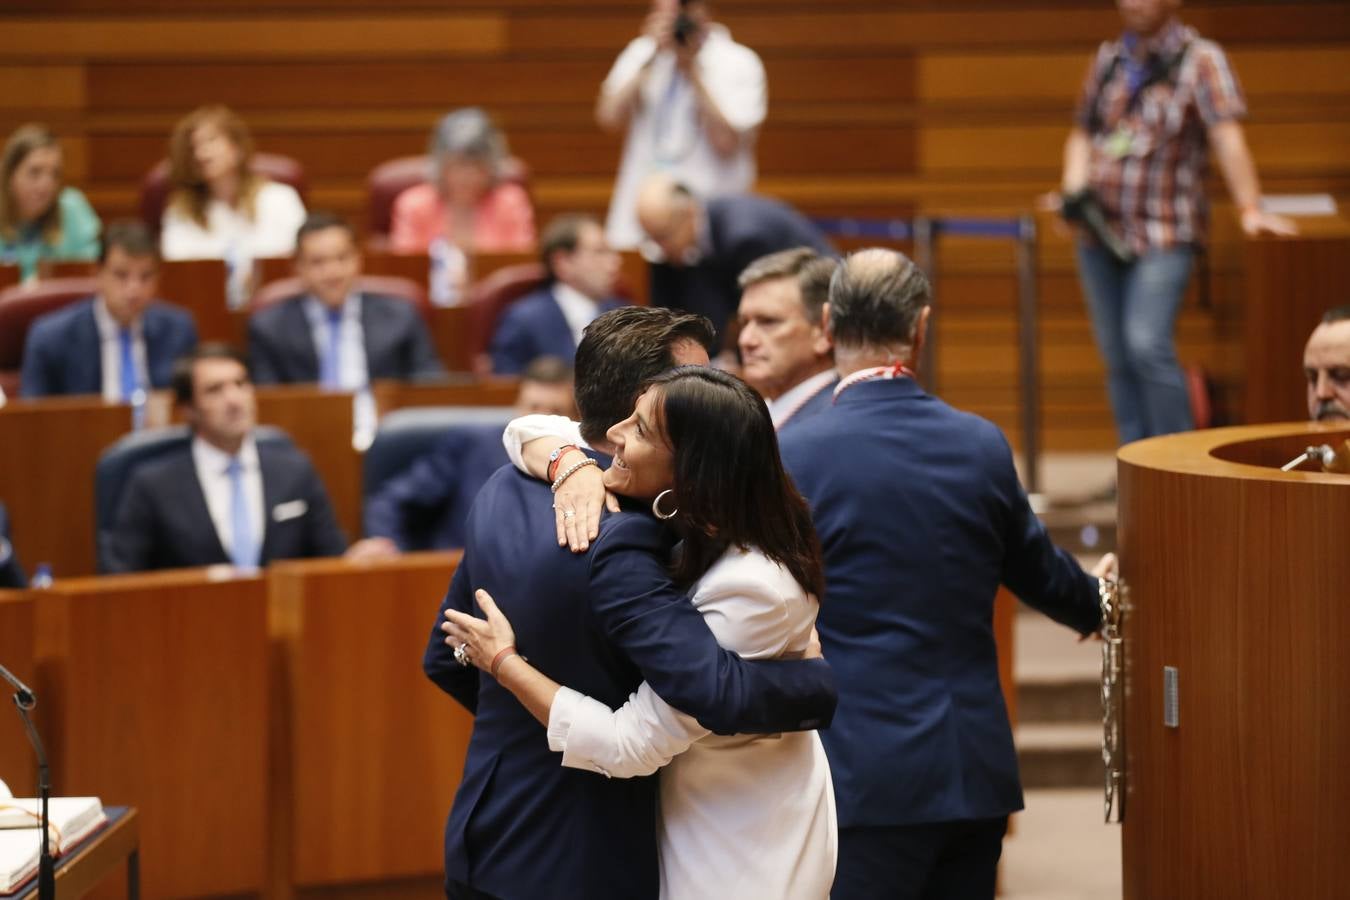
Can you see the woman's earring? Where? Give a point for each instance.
(656, 507)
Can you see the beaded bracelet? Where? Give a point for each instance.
(567, 472)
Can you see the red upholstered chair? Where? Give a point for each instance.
(389, 179)
(282, 289)
(489, 298)
(155, 185)
(20, 305)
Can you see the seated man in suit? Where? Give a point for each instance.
(1326, 365)
(223, 498)
(11, 573)
(705, 244)
(118, 342)
(785, 353)
(434, 495)
(333, 334)
(582, 270)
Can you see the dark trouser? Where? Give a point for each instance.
(936, 861)
(458, 890)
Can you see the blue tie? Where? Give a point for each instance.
(130, 383)
(329, 373)
(244, 547)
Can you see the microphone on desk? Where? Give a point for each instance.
(25, 700)
(1332, 459)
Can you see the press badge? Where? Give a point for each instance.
(1119, 143)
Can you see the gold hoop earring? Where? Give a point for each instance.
(656, 507)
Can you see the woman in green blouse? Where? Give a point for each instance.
(39, 218)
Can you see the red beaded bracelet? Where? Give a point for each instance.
(555, 459)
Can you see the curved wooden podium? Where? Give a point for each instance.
(1238, 576)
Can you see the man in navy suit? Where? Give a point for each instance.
(523, 827)
(582, 270)
(118, 342)
(333, 334)
(921, 518)
(224, 498)
(705, 244)
(426, 507)
(785, 353)
(11, 573)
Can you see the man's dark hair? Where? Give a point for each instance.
(730, 485)
(1336, 314)
(620, 351)
(875, 300)
(562, 235)
(812, 271)
(184, 366)
(131, 237)
(321, 220)
(547, 370)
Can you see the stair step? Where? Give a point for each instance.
(1059, 755)
(1076, 701)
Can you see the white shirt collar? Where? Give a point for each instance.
(317, 312)
(210, 458)
(108, 328)
(795, 397)
(577, 309)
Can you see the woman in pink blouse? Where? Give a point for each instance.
(465, 202)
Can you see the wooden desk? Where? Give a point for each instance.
(48, 451)
(1236, 577)
(98, 856)
(373, 752)
(392, 395)
(18, 768)
(155, 690)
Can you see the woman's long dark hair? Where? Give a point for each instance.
(730, 485)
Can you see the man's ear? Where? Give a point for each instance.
(825, 325)
(821, 342)
(920, 334)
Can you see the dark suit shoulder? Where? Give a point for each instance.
(530, 303)
(171, 471)
(279, 456)
(270, 320)
(61, 321)
(630, 530)
(389, 306)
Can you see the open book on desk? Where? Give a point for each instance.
(72, 820)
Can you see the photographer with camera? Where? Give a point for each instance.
(692, 100)
(1153, 104)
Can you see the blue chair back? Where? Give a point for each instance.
(119, 461)
(407, 434)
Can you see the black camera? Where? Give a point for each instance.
(685, 27)
(1085, 207)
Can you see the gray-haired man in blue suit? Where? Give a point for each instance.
(921, 518)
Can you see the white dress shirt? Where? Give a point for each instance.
(782, 408)
(520, 431)
(578, 309)
(666, 132)
(110, 351)
(212, 465)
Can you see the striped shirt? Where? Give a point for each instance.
(1147, 107)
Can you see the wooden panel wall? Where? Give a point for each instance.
(877, 107)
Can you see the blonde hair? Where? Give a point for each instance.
(190, 193)
(24, 140)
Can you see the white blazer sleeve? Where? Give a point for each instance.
(636, 739)
(522, 430)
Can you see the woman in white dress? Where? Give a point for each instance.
(218, 207)
(741, 815)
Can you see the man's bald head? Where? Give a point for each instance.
(877, 301)
(668, 213)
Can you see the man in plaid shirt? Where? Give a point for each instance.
(1153, 104)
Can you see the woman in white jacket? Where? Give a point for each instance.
(741, 815)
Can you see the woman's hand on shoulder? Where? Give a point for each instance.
(583, 495)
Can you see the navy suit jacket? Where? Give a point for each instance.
(62, 353)
(740, 229)
(522, 826)
(426, 507)
(281, 343)
(11, 573)
(921, 517)
(163, 523)
(531, 327)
